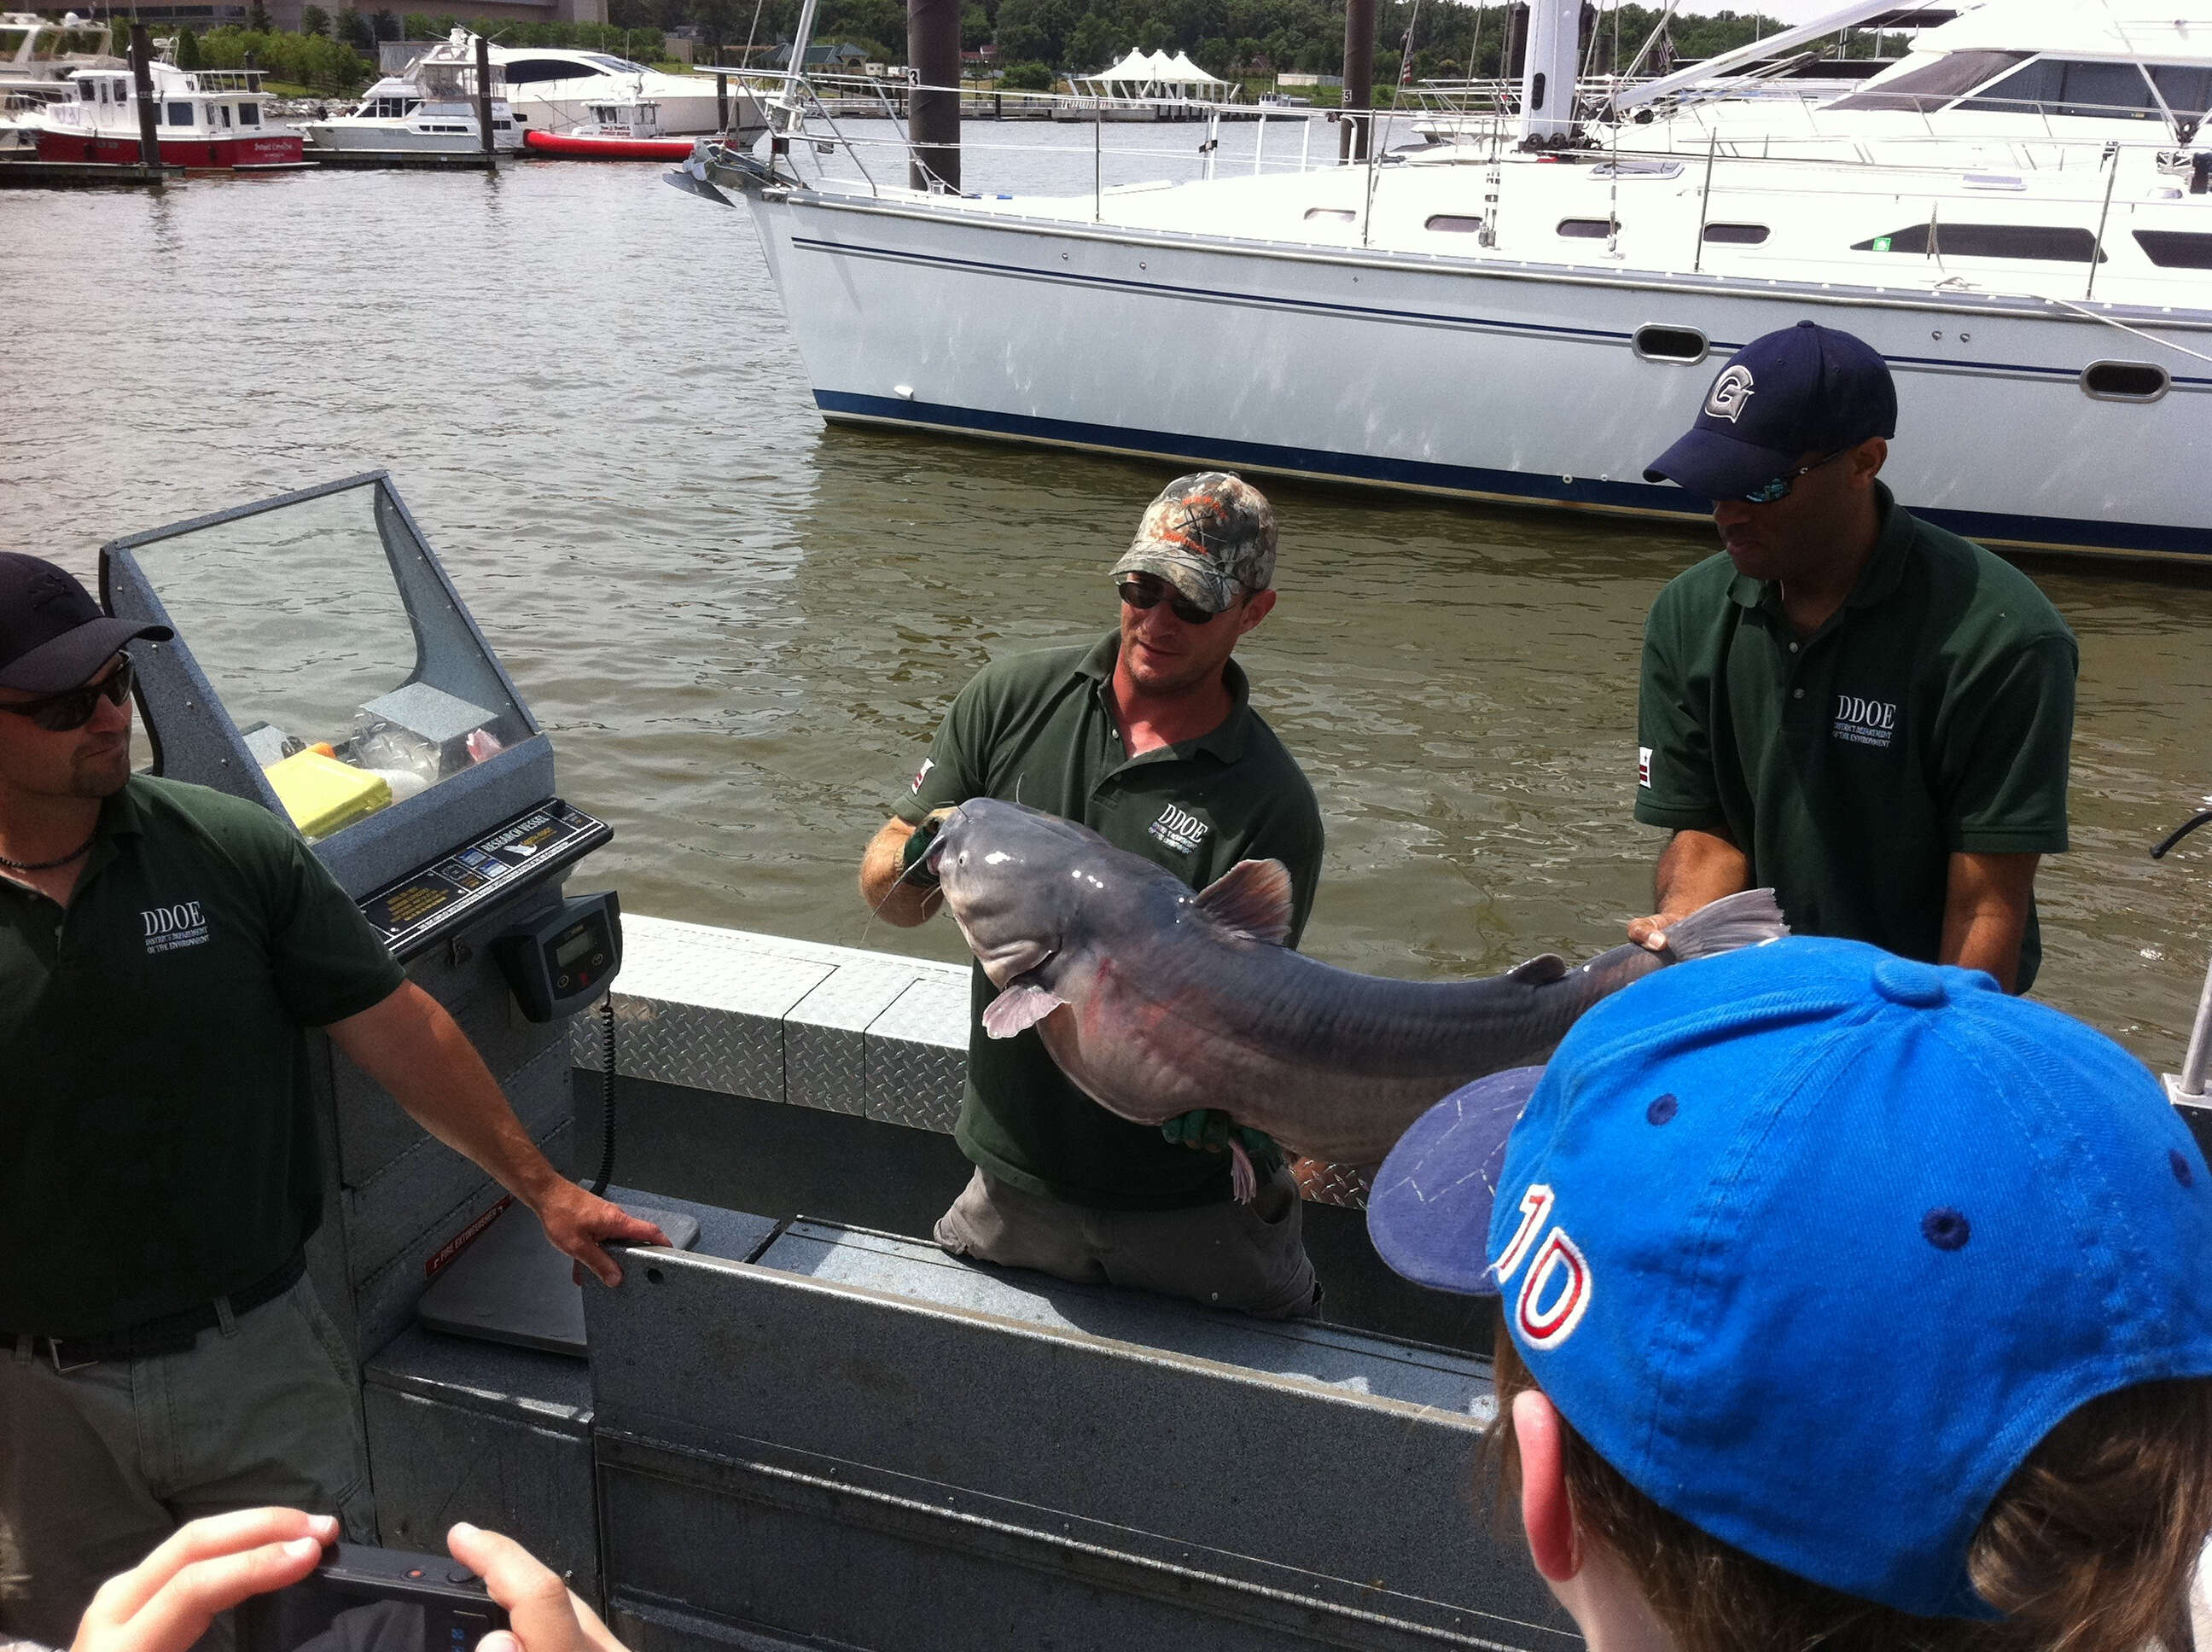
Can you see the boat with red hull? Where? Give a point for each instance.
(213, 118)
(616, 132)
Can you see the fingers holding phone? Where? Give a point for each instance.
(544, 1615)
(166, 1602)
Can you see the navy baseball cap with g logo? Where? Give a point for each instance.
(1807, 389)
(1814, 1245)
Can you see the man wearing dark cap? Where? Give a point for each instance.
(1867, 713)
(162, 948)
(1146, 737)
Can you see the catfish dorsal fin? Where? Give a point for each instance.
(1544, 966)
(1252, 898)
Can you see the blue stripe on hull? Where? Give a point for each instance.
(1642, 498)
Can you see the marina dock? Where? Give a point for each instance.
(405, 160)
(84, 174)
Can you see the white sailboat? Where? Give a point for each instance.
(1532, 314)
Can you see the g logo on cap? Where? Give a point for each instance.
(1729, 392)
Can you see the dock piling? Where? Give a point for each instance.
(1358, 80)
(142, 81)
(933, 35)
(483, 91)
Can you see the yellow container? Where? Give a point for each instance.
(324, 795)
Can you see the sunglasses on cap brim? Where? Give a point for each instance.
(58, 713)
(1144, 590)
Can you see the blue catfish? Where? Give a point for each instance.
(1155, 1000)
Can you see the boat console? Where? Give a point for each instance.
(325, 668)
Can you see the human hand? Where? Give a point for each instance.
(1651, 933)
(578, 1223)
(1203, 1127)
(1211, 1130)
(166, 1602)
(543, 1614)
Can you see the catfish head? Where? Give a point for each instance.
(1027, 889)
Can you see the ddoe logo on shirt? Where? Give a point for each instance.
(170, 928)
(1180, 829)
(1865, 722)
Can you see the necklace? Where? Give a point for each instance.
(48, 865)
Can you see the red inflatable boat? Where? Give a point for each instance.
(596, 146)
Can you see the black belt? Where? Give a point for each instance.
(172, 1333)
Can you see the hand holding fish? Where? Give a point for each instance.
(1211, 1130)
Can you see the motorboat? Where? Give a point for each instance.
(2034, 83)
(1531, 318)
(37, 57)
(203, 118)
(430, 109)
(616, 132)
(553, 90)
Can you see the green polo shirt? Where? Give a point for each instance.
(157, 1149)
(1038, 729)
(1931, 715)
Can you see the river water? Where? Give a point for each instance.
(741, 626)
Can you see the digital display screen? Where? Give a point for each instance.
(574, 948)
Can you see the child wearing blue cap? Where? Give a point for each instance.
(1847, 1302)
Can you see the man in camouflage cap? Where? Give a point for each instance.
(1210, 535)
(1147, 737)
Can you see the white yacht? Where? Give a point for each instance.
(1534, 317)
(431, 108)
(37, 57)
(554, 89)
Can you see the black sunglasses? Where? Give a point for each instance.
(58, 713)
(1143, 591)
(1770, 493)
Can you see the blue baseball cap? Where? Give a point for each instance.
(1805, 389)
(1815, 1244)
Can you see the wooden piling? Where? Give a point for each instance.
(1358, 80)
(142, 81)
(483, 91)
(932, 36)
(722, 102)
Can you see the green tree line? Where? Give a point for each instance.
(1037, 39)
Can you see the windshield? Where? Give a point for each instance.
(623, 64)
(1933, 85)
(295, 617)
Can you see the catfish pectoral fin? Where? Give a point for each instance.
(1017, 1009)
(1253, 899)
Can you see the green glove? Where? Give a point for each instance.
(1211, 1129)
(913, 859)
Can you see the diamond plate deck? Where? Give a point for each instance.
(917, 1055)
(824, 1035)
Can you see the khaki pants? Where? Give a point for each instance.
(1226, 1255)
(98, 1465)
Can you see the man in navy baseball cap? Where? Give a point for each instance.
(1867, 713)
(1846, 1301)
(1807, 389)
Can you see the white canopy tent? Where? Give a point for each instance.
(1156, 77)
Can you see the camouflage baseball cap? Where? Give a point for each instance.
(1206, 535)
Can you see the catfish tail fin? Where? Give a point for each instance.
(1747, 918)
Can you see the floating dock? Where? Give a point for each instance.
(406, 159)
(83, 174)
